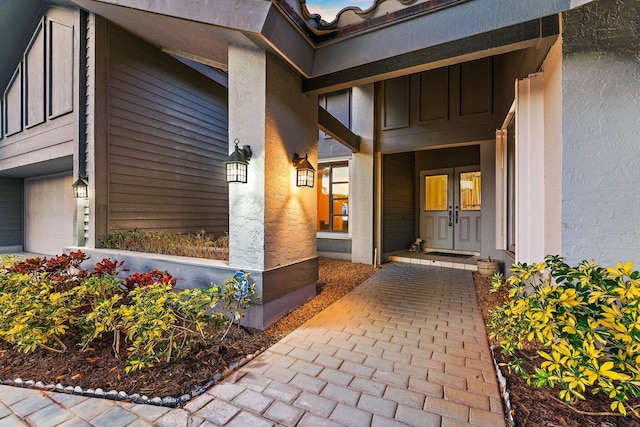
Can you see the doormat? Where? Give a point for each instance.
(448, 254)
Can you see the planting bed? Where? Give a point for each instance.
(536, 407)
(97, 367)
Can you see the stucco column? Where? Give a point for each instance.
(362, 200)
(271, 221)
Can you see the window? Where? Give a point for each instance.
(333, 197)
(470, 191)
(437, 192)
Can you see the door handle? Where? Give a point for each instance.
(456, 214)
(450, 217)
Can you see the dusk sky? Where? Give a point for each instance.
(328, 9)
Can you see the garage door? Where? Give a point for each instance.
(49, 211)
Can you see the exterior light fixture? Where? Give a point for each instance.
(237, 162)
(304, 171)
(81, 188)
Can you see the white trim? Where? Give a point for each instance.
(338, 235)
(530, 197)
(501, 187)
(331, 160)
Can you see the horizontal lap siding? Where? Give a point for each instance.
(398, 206)
(167, 141)
(11, 214)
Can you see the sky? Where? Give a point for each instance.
(328, 9)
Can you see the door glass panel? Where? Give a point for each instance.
(470, 195)
(436, 192)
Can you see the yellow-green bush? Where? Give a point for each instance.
(41, 299)
(585, 323)
(32, 314)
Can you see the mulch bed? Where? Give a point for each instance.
(533, 406)
(99, 368)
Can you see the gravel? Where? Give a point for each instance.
(336, 278)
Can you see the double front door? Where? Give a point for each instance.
(450, 208)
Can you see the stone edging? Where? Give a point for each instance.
(168, 401)
(502, 382)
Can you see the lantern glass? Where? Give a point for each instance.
(236, 172)
(236, 164)
(81, 188)
(305, 178)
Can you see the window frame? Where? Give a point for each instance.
(331, 214)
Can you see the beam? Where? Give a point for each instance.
(539, 32)
(333, 127)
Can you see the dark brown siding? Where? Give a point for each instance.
(167, 141)
(459, 103)
(11, 215)
(398, 212)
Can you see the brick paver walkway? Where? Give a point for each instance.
(408, 347)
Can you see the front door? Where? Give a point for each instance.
(450, 208)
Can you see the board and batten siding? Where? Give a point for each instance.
(464, 102)
(168, 127)
(398, 208)
(39, 111)
(11, 212)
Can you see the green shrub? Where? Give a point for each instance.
(32, 314)
(40, 300)
(161, 325)
(585, 323)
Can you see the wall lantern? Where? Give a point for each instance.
(304, 171)
(81, 188)
(237, 162)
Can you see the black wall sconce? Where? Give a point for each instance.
(305, 173)
(81, 188)
(237, 162)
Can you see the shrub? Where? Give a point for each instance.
(38, 305)
(161, 325)
(33, 314)
(584, 322)
(198, 245)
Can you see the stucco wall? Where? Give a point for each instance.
(601, 132)
(291, 127)
(271, 221)
(361, 195)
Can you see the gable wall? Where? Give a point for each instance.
(38, 118)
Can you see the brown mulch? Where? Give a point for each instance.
(99, 368)
(539, 407)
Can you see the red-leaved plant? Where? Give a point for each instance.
(138, 280)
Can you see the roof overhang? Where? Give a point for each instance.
(202, 30)
(539, 33)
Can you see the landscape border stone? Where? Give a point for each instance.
(167, 401)
(502, 382)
